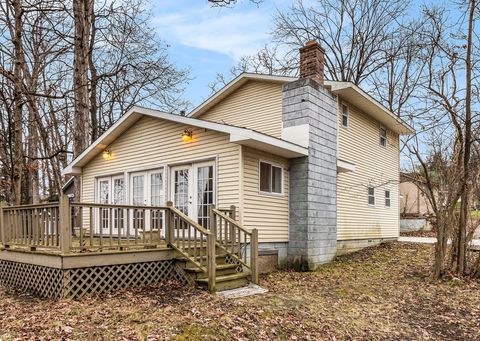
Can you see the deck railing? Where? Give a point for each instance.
(80, 227)
(193, 241)
(106, 226)
(241, 243)
(31, 225)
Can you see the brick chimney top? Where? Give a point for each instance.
(312, 61)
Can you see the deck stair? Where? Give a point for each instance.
(220, 257)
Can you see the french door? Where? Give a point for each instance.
(147, 189)
(193, 190)
(111, 190)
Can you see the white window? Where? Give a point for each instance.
(371, 196)
(383, 136)
(344, 115)
(387, 198)
(271, 178)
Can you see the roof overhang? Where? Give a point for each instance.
(359, 98)
(351, 92)
(238, 135)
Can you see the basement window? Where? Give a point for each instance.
(271, 178)
(371, 196)
(387, 198)
(383, 136)
(345, 115)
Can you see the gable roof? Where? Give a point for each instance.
(234, 85)
(238, 135)
(351, 92)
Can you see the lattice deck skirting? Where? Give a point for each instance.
(75, 283)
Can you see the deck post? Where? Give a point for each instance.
(233, 212)
(232, 231)
(213, 221)
(211, 262)
(169, 230)
(2, 227)
(254, 255)
(65, 223)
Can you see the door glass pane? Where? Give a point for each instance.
(119, 199)
(156, 197)
(104, 198)
(137, 190)
(156, 189)
(204, 194)
(138, 198)
(104, 191)
(181, 195)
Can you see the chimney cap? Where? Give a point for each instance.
(312, 43)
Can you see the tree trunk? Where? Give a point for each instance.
(18, 99)
(465, 207)
(82, 10)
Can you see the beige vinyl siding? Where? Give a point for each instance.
(375, 165)
(151, 143)
(255, 105)
(267, 213)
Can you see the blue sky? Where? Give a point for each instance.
(210, 40)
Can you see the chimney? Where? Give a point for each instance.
(312, 60)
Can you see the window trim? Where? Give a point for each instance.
(345, 105)
(389, 197)
(282, 179)
(382, 127)
(368, 196)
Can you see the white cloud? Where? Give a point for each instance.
(234, 32)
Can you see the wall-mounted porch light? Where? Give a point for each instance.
(107, 154)
(187, 135)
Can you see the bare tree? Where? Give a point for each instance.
(450, 167)
(355, 34)
(53, 70)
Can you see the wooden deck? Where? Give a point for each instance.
(72, 249)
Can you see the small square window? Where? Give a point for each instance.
(371, 196)
(344, 115)
(387, 198)
(271, 178)
(383, 136)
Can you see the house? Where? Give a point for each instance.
(312, 164)
(415, 208)
(413, 202)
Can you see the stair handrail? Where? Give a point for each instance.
(177, 220)
(230, 240)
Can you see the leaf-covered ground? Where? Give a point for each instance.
(379, 293)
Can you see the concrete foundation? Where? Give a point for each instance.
(349, 246)
(412, 225)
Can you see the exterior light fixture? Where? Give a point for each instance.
(107, 154)
(187, 135)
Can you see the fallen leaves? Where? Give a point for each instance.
(378, 293)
